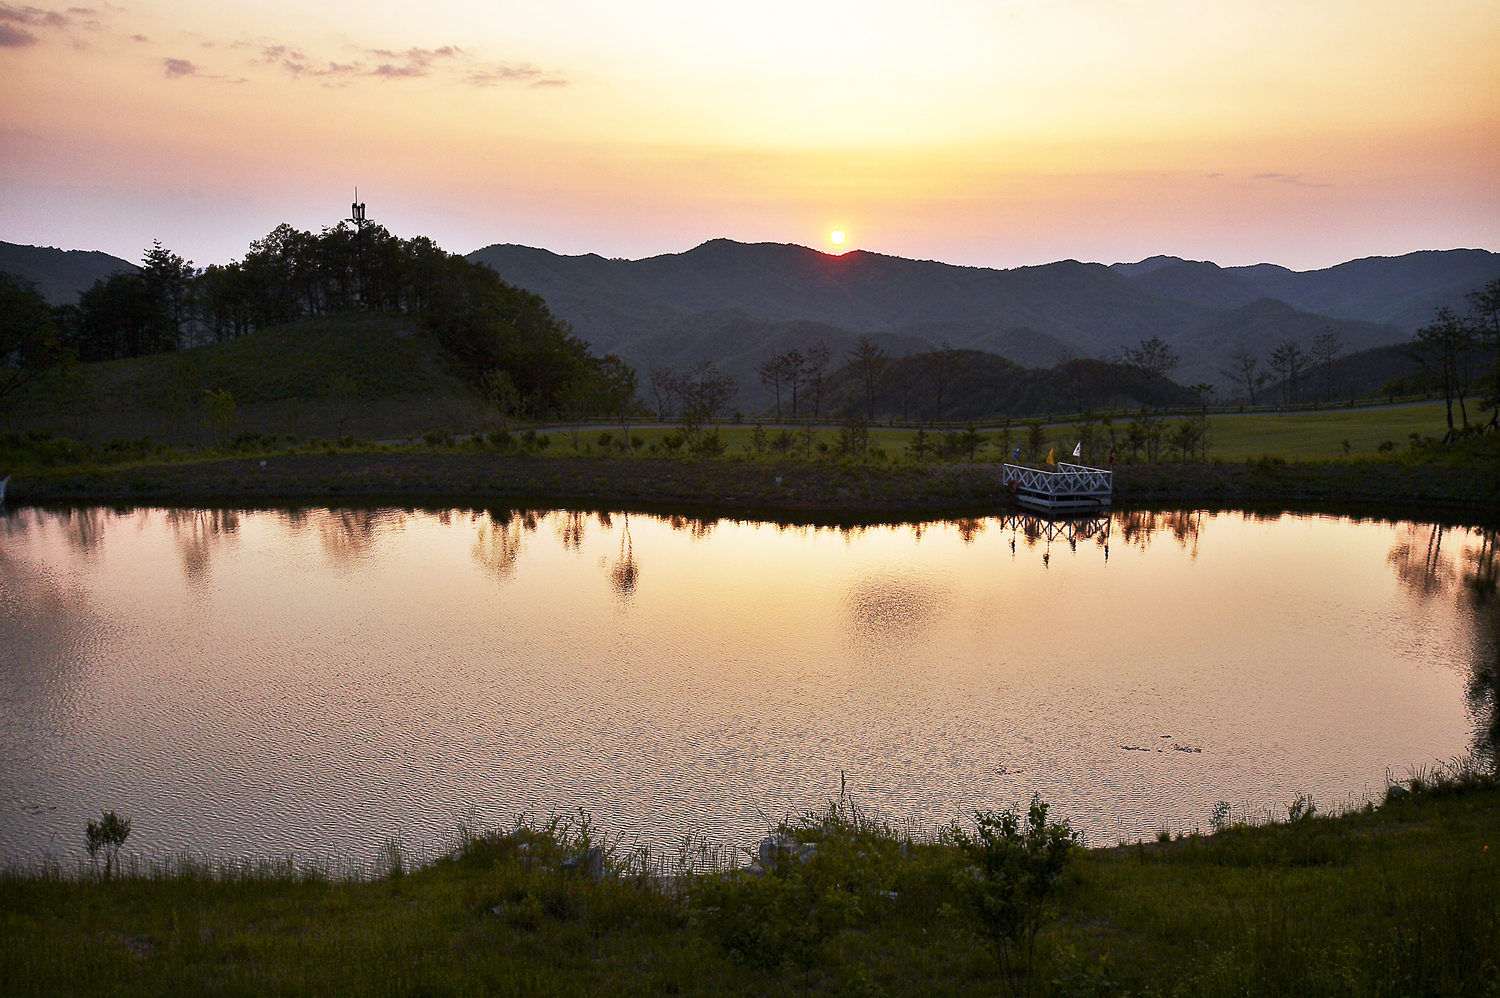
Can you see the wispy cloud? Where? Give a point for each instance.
(12, 37)
(178, 68)
(413, 62)
(1289, 178)
(35, 16)
(390, 65)
(24, 25)
(495, 76)
(15, 22)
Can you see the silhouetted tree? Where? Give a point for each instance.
(31, 340)
(1325, 351)
(666, 386)
(705, 393)
(1446, 348)
(1242, 371)
(1287, 360)
(793, 369)
(773, 376)
(1484, 312)
(866, 363)
(940, 364)
(114, 319)
(617, 391)
(168, 280)
(1153, 356)
(816, 369)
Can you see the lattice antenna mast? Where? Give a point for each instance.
(357, 216)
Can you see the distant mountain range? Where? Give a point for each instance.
(1400, 291)
(736, 303)
(60, 275)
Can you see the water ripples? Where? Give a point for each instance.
(314, 681)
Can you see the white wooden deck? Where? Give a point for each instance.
(1070, 487)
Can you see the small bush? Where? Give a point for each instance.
(107, 835)
(1016, 868)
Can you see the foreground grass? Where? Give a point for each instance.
(1399, 900)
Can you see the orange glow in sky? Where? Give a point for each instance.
(1000, 133)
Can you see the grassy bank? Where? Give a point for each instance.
(480, 474)
(1403, 899)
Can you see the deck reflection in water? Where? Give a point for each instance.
(316, 680)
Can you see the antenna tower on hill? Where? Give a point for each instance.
(357, 216)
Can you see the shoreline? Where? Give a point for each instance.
(795, 490)
(767, 489)
(1399, 892)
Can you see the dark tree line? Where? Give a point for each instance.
(490, 328)
(1450, 350)
(1300, 374)
(31, 335)
(950, 383)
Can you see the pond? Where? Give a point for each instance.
(315, 681)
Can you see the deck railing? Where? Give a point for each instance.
(1067, 480)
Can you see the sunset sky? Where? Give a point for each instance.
(996, 133)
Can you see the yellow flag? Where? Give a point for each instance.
(1052, 456)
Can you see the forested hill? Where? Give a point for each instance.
(60, 275)
(502, 340)
(972, 384)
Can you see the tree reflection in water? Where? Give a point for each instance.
(1434, 562)
(497, 544)
(624, 573)
(349, 535)
(198, 533)
(1479, 576)
(570, 530)
(698, 529)
(1138, 528)
(1420, 561)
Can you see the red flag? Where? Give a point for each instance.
(1111, 455)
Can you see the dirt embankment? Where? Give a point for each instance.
(768, 488)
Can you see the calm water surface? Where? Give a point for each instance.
(314, 681)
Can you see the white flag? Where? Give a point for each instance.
(1078, 451)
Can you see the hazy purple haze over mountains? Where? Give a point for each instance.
(736, 303)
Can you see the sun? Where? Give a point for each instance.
(837, 237)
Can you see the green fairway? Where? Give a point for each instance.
(1322, 434)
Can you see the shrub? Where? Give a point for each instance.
(709, 445)
(107, 835)
(1016, 868)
